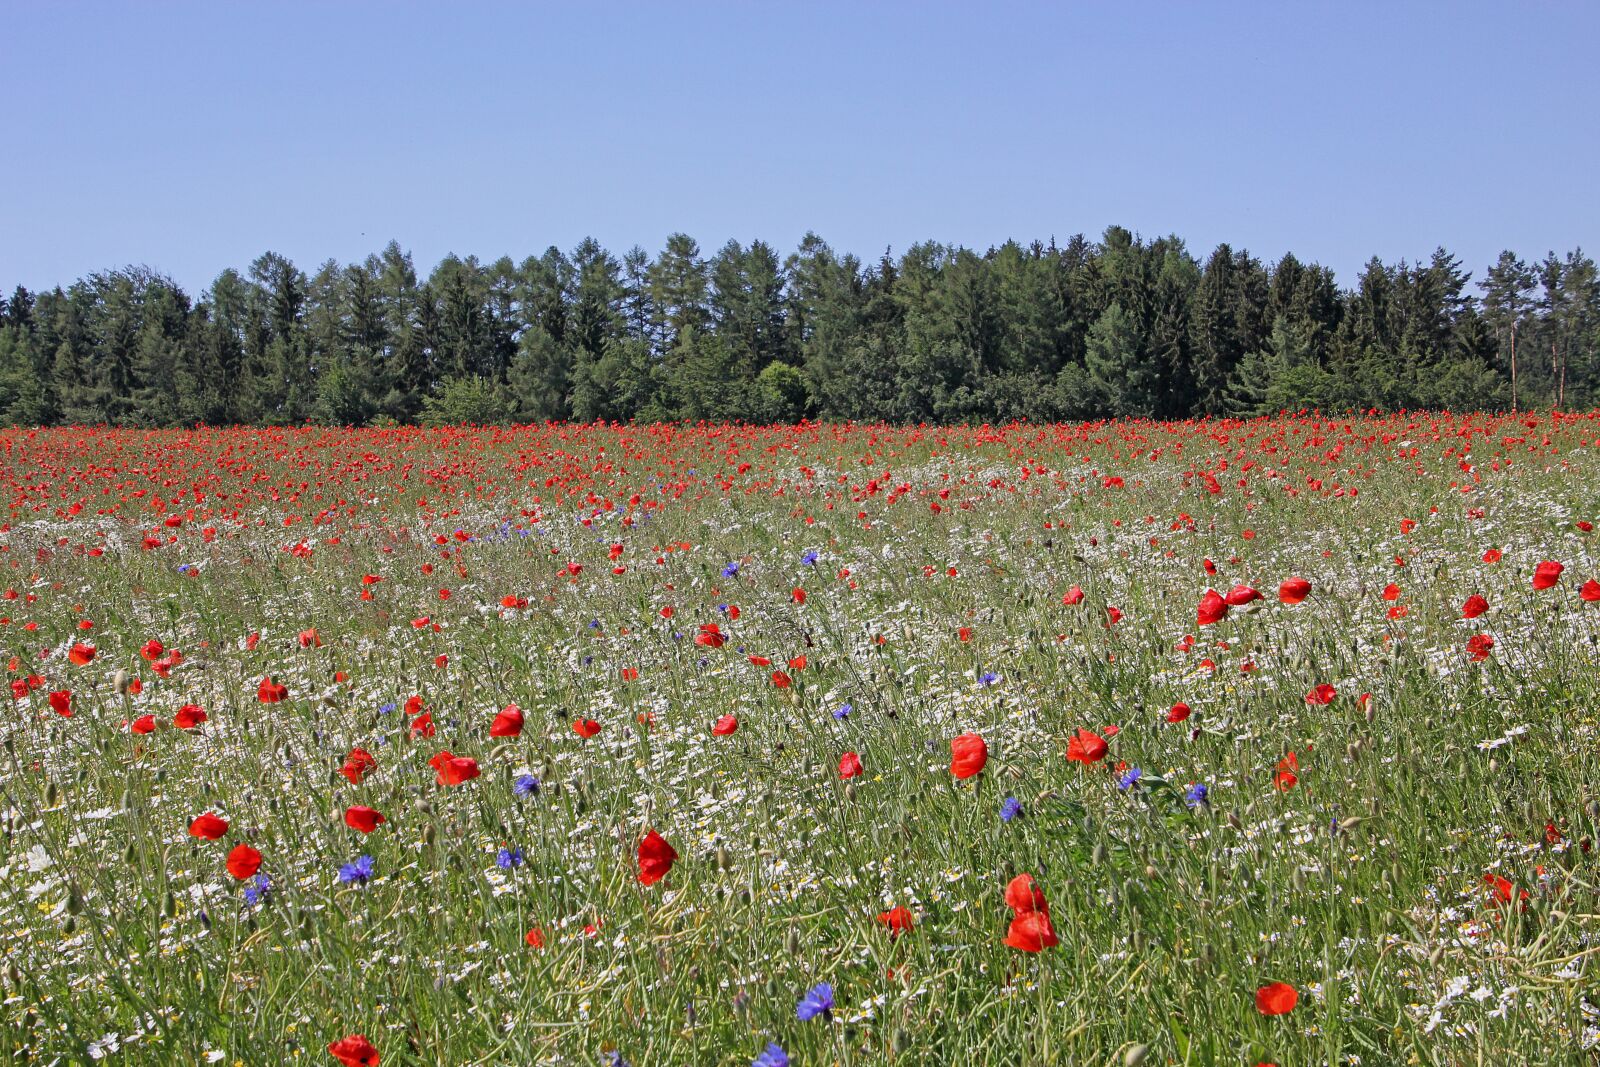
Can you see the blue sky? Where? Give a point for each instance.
(191, 136)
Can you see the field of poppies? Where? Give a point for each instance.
(1235, 743)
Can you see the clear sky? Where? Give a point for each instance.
(194, 136)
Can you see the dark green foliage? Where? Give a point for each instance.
(1084, 330)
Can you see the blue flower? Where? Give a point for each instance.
(844, 711)
(388, 709)
(810, 560)
(771, 1056)
(1197, 795)
(356, 873)
(612, 1059)
(988, 678)
(817, 1001)
(731, 570)
(1010, 809)
(508, 859)
(526, 786)
(1130, 779)
(258, 889)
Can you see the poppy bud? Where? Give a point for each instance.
(169, 905)
(70, 926)
(1234, 821)
(74, 903)
(791, 941)
(52, 795)
(1150, 872)
(849, 790)
(130, 855)
(1098, 854)
(724, 858)
(1135, 1055)
(120, 681)
(1298, 880)
(1494, 765)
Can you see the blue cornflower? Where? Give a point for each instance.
(388, 709)
(258, 889)
(810, 558)
(1010, 809)
(588, 660)
(526, 786)
(594, 624)
(612, 1059)
(731, 570)
(1197, 796)
(988, 678)
(1130, 779)
(771, 1056)
(817, 1001)
(844, 711)
(183, 568)
(356, 873)
(508, 859)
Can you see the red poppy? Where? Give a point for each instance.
(1178, 712)
(1212, 608)
(1590, 591)
(364, 819)
(354, 1051)
(968, 754)
(1023, 895)
(80, 654)
(1391, 592)
(207, 827)
(724, 726)
(243, 862)
(357, 764)
(1294, 590)
(1073, 596)
(781, 680)
(1502, 890)
(849, 765)
(310, 638)
(1031, 931)
(144, 724)
(453, 769)
(535, 937)
(1492, 556)
(508, 723)
(152, 648)
(1478, 646)
(1473, 606)
(710, 636)
(1240, 595)
(1322, 694)
(422, 725)
(189, 716)
(1086, 746)
(1286, 779)
(1278, 998)
(585, 727)
(655, 858)
(61, 703)
(898, 919)
(270, 692)
(1547, 574)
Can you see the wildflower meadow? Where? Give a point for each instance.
(1205, 742)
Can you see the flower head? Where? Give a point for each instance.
(818, 1000)
(356, 873)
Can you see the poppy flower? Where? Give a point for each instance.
(357, 764)
(780, 679)
(1547, 574)
(144, 724)
(724, 726)
(508, 723)
(80, 654)
(655, 858)
(1293, 590)
(535, 937)
(61, 703)
(968, 754)
(243, 862)
(1478, 646)
(1492, 556)
(1391, 592)
(1502, 890)
(710, 636)
(1278, 998)
(1178, 712)
(1286, 779)
(1590, 591)
(364, 819)
(849, 765)
(354, 1051)
(1212, 608)
(1073, 596)
(422, 726)
(310, 638)
(1086, 746)
(899, 920)
(189, 716)
(270, 692)
(585, 728)
(1322, 694)
(1473, 606)
(152, 649)
(453, 769)
(1031, 931)
(1240, 595)
(207, 827)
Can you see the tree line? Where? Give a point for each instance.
(1119, 327)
